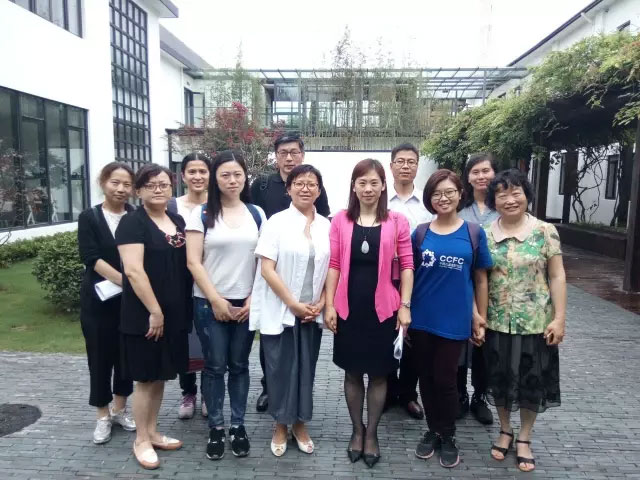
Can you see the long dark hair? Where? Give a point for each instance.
(362, 168)
(214, 203)
(192, 157)
(474, 159)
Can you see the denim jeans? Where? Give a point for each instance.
(226, 347)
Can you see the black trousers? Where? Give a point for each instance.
(436, 360)
(401, 387)
(263, 380)
(188, 383)
(102, 340)
(478, 373)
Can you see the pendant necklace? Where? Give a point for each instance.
(364, 248)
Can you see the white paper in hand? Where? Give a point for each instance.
(397, 344)
(107, 289)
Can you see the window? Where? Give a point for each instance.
(562, 175)
(64, 13)
(193, 108)
(612, 177)
(43, 161)
(130, 82)
(624, 26)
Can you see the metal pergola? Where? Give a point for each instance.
(474, 83)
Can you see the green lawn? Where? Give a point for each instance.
(28, 322)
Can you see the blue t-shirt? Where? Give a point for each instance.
(442, 299)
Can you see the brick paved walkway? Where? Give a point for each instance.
(595, 434)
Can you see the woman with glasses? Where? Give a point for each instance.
(478, 173)
(154, 320)
(451, 259)
(364, 309)
(287, 304)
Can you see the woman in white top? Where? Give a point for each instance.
(287, 304)
(195, 175)
(221, 240)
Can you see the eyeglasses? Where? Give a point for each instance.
(450, 193)
(401, 162)
(312, 187)
(151, 187)
(283, 154)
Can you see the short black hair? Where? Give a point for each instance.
(151, 170)
(303, 170)
(192, 157)
(436, 177)
(288, 138)
(404, 146)
(509, 178)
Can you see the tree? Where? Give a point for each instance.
(231, 128)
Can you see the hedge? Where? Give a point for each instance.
(19, 250)
(59, 270)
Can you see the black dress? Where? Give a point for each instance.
(362, 343)
(145, 359)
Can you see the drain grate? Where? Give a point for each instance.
(15, 416)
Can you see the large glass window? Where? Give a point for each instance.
(64, 13)
(130, 82)
(43, 159)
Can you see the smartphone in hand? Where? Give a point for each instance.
(235, 311)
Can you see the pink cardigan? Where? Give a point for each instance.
(387, 297)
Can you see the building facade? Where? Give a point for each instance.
(598, 17)
(96, 82)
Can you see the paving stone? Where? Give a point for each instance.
(595, 434)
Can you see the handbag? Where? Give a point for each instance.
(395, 263)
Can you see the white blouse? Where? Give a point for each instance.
(283, 240)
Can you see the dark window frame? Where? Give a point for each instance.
(128, 24)
(611, 184)
(18, 118)
(66, 13)
(189, 117)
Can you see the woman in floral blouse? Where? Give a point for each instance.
(526, 314)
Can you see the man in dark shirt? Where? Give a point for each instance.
(270, 193)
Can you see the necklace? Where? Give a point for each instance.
(364, 248)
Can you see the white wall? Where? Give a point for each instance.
(336, 168)
(40, 58)
(605, 210)
(171, 113)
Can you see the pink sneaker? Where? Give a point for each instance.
(187, 407)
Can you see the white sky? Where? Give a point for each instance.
(416, 33)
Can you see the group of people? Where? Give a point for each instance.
(459, 275)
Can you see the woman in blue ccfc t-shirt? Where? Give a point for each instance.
(448, 263)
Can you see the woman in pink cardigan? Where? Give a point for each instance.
(363, 308)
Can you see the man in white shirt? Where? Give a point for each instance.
(404, 199)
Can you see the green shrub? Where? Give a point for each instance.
(20, 250)
(59, 270)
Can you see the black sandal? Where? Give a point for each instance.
(503, 450)
(530, 461)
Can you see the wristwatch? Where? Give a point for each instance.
(406, 304)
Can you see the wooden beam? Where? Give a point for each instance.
(541, 186)
(632, 257)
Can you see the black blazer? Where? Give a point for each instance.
(95, 242)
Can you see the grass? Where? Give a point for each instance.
(28, 322)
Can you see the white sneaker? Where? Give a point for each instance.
(123, 419)
(203, 408)
(102, 433)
